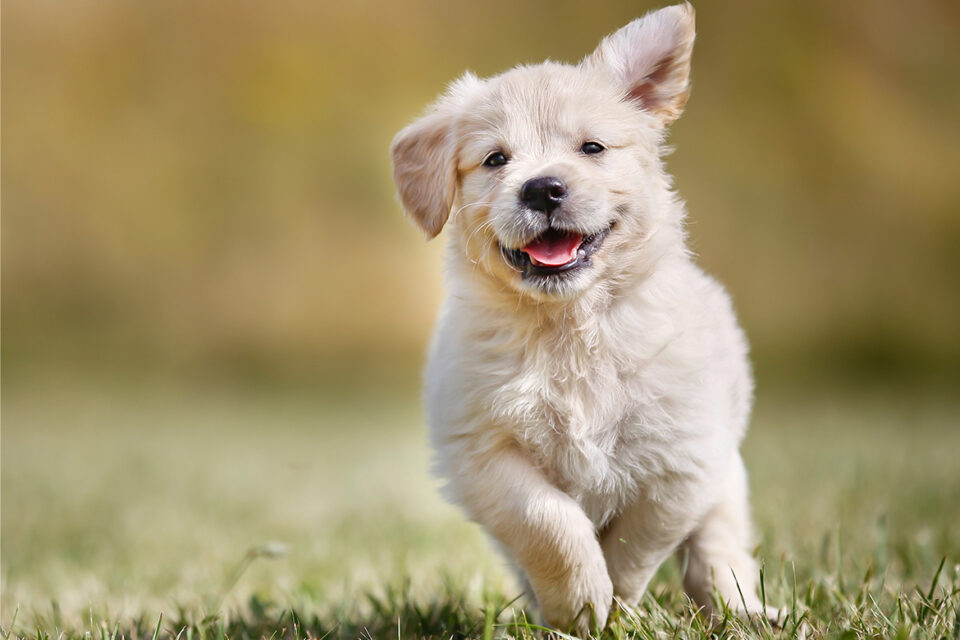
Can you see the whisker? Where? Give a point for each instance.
(503, 254)
(472, 204)
(487, 224)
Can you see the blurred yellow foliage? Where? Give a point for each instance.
(201, 184)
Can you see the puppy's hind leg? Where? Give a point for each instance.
(719, 555)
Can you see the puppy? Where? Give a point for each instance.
(588, 385)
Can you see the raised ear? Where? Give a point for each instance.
(651, 58)
(425, 170)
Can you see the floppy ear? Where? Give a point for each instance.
(425, 170)
(651, 57)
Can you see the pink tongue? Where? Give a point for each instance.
(553, 250)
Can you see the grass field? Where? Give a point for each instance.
(245, 513)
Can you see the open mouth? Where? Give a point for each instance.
(555, 251)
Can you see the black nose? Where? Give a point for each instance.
(543, 194)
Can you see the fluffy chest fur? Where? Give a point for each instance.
(631, 399)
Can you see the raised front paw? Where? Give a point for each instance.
(580, 602)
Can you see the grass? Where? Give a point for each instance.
(160, 511)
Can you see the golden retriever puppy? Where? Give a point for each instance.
(588, 385)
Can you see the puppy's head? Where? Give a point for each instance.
(551, 174)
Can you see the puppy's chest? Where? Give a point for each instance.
(583, 427)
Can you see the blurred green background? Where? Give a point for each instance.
(214, 313)
(206, 186)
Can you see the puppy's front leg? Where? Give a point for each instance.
(637, 542)
(545, 530)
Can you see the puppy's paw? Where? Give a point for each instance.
(579, 604)
(774, 616)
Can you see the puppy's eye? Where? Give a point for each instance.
(592, 148)
(495, 159)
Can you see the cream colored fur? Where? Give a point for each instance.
(590, 423)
